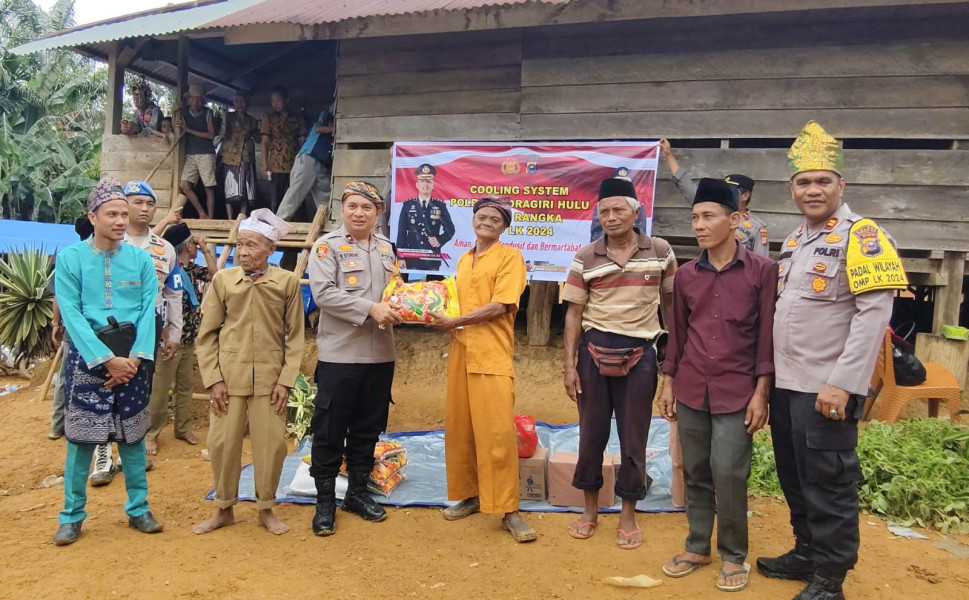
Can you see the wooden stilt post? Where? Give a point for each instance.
(948, 299)
(541, 298)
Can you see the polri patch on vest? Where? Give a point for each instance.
(827, 251)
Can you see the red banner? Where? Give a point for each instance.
(553, 189)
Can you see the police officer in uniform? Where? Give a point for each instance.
(752, 232)
(349, 270)
(837, 276)
(424, 223)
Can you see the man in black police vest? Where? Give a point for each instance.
(424, 225)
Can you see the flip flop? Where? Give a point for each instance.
(627, 545)
(578, 525)
(734, 588)
(694, 565)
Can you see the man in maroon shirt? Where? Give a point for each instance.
(718, 367)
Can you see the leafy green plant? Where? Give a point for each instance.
(300, 408)
(26, 305)
(763, 470)
(914, 472)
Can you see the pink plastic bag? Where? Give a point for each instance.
(527, 437)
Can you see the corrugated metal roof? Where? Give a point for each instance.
(234, 13)
(312, 12)
(170, 19)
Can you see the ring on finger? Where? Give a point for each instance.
(833, 413)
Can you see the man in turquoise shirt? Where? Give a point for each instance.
(107, 394)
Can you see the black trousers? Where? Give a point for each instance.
(817, 464)
(352, 402)
(630, 398)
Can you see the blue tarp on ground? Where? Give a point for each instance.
(426, 483)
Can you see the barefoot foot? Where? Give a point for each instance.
(191, 439)
(272, 524)
(223, 518)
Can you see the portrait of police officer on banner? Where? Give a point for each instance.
(424, 226)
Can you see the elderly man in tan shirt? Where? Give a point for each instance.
(249, 348)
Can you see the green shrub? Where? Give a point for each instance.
(26, 305)
(913, 472)
(300, 408)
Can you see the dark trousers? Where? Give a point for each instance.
(280, 183)
(352, 402)
(631, 398)
(817, 464)
(716, 465)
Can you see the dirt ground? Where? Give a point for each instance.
(414, 553)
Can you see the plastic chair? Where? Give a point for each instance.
(939, 384)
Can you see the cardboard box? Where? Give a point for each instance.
(561, 468)
(532, 479)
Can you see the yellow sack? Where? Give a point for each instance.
(872, 261)
(416, 301)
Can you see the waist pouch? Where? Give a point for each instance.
(615, 362)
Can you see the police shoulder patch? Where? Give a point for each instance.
(872, 261)
(322, 250)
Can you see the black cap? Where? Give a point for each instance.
(742, 181)
(719, 191)
(425, 171)
(179, 233)
(83, 227)
(617, 186)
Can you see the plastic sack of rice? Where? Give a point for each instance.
(416, 301)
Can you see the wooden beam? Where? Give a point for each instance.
(181, 87)
(948, 299)
(919, 123)
(129, 53)
(114, 98)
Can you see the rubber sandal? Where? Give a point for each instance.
(694, 565)
(734, 588)
(578, 534)
(629, 545)
(462, 509)
(521, 531)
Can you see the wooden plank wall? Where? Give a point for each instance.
(757, 77)
(133, 158)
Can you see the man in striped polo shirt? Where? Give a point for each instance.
(615, 289)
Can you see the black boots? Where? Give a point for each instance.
(359, 501)
(792, 565)
(323, 520)
(146, 523)
(67, 533)
(823, 587)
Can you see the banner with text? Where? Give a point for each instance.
(553, 188)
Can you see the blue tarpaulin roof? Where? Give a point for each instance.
(15, 235)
